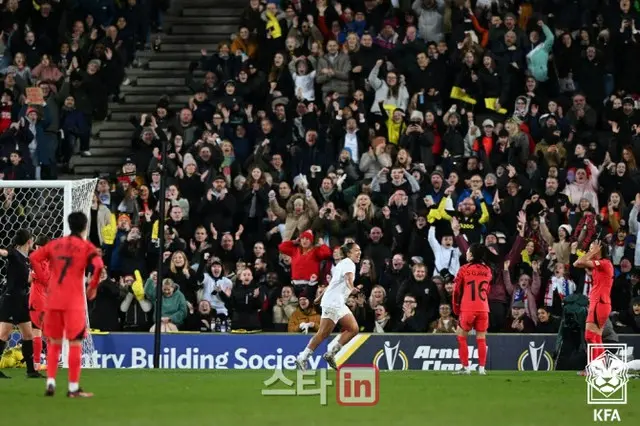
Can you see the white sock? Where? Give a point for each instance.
(336, 348)
(51, 382)
(73, 387)
(305, 354)
(634, 365)
(332, 343)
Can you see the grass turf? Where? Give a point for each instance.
(231, 397)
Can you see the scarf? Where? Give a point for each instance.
(588, 282)
(380, 324)
(227, 161)
(273, 26)
(520, 295)
(563, 286)
(525, 257)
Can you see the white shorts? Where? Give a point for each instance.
(334, 313)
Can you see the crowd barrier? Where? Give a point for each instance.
(525, 352)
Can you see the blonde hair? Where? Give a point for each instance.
(172, 266)
(369, 212)
(384, 295)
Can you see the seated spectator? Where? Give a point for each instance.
(286, 305)
(413, 320)
(383, 322)
(104, 309)
(519, 321)
(203, 320)
(136, 304)
(445, 322)
(244, 302)
(174, 305)
(214, 284)
(362, 312)
(547, 323)
(306, 318)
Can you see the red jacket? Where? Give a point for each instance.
(303, 266)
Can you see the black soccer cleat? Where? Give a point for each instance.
(51, 391)
(34, 375)
(79, 394)
(3, 376)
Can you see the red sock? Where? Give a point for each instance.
(75, 361)
(463, 351)
(482, 352)
(594, 339)
(37, 349)
(53, 356)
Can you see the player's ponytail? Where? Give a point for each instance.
(345, 249)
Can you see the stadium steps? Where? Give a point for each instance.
(190, 26)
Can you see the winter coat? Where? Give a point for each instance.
(339, 81)
(295, 225)
(174, 307)
(430, 21)
(301, 316)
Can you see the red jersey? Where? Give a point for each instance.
(68, 259)
(602, 276)
(304, 265)
(471, 288)
(39, 284)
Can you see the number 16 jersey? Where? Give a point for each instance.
(68, 259)
(471, 288)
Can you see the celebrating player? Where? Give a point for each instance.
(335, 310)
(602, 273)
(14, 303)
(65, 313)
(37, 303)
(471, 287)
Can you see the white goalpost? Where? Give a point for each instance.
(43, 208)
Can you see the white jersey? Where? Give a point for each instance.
(338, 292)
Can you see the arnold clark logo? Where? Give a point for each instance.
(607, 376)
(433, 358)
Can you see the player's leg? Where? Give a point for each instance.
(596, 319)
(54, 331)
(349, 327)
(5, 332)
(75, 328)
(481, 325)
(327, 325)
(464, 326)
(36, 325)
(27, 349)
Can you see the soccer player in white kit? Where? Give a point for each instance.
(335, 310)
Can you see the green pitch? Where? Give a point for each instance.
(178, 397)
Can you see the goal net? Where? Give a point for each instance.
(43, 208)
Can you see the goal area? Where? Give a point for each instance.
(43, 208)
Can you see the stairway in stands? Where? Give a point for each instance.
(190, 25)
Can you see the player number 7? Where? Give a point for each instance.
(67, 263)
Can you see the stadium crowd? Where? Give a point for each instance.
(413, 129)
(76, 53)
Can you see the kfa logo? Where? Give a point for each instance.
(607, 374)
(535, 358)
(606, 415)
(391, 358)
